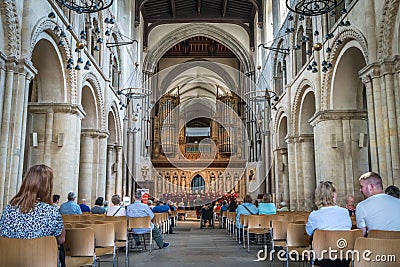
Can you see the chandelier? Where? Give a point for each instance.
(86, 6)
(313, 7)
(260, 95)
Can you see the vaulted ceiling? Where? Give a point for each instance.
(159, 12)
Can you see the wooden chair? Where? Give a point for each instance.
(105, 239)
(384, 234)
(41, 252)
(383, 252)
(279, 230)
(297, 240)
(258, 225)
(138, 222)
(79, 247)
(340, 240)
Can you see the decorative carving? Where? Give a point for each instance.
(46, 25)
(303, 86)
(385, 39)
(92, 79)
(8, 11)
(346, 36)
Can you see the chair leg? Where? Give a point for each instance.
(144, 242)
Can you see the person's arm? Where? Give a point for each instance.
(61, 237)
(310, 226)
(360, 218)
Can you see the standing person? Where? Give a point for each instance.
(329, 216)
(138, 209)
(117, 209)
(98, 208)
(70, 207)
(350, 206)
(83, 206)
(377, 210)
(30, 213)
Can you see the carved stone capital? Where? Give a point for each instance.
(93, 133)
(56, 108)
(327, 115)
(282, 150)
(304, 138)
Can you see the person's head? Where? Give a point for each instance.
(37, 185)
(149, 202)
(247, 199)
(393, 191)
(99, 201)
(71, 196)
(325, 194)
(370, 184)
(138, 195)
(350, 201)
(83, 201)
(56, 199)
(282, 204)
(116, 199)
(267, 198)
(105, 203)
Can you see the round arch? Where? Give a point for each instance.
(198, 29)
(303, 88)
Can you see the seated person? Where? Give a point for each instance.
(246, 208)
(98, 208)
(138, 209)
(83, 206)
(328, 217)
(350, 206)
(117, 209)
(283, 207)
(377, 210)
(393, 191)
(266, 206)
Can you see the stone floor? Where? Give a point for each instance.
(192, 246)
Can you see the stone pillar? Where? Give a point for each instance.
(119, 162)
(102, 165)
(285, 175)
(86, 167)
(110, 181)
(292, 174)
(308, 171)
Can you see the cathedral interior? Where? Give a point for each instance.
(200, 97)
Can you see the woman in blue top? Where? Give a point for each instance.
(31, 213)
(246, 208)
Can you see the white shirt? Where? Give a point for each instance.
(328, 218)
(379, 212)
(113, 209)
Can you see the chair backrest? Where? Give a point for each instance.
(41, 252)
(279, 229)
(297, 235)
(79, 242)
(340, 240)
(139, 222)
(104, 233)
(71, 217)
(381, 252)
(384, 234)
(257, 221)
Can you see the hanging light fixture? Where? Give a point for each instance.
(133, 87)
(86, 6)
(313, 7)
(262, 92)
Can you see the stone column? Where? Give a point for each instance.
(110, 181)
(85, 184)
(11, 66)
(285, 175)
(102, 165)
(308, 171)
(119, 162)
(292, 174)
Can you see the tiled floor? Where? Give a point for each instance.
(192, 246)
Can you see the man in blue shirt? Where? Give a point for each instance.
(70, 207)
(138, 209)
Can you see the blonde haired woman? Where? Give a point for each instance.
(328, 217)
